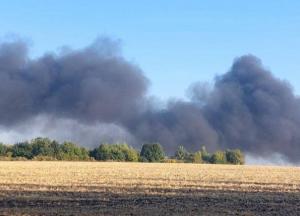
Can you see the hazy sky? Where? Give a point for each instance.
(175, 42)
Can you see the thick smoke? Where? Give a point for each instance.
(94, 95)
(181, 123)
(252, 110)
(247, 108)
(93, 84)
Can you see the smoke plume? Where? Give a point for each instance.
(93, 84)
(94, 95)
(252, 110)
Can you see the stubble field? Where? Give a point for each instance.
(110, 188)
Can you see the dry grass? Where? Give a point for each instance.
(94, 188)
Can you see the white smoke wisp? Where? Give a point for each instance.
(274, 159)
(66, 130)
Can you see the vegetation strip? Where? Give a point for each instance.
(46, 149)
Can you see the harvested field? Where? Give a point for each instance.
(110, 188)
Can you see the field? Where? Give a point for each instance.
(95, 188)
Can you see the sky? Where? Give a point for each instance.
(176, 43)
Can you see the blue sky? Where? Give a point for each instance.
(175, 42)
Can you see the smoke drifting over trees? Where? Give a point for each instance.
(96, 94)
(255, 111)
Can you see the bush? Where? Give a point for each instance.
(205, 155)
(23, 150)
(3, 149)
(44, 158)
(218, 157)
(181, 153)
(193, 158)
(197, 157)
(5, 158)
(170, 160)
(19, 159)
(9, 152)
(44, 147)
(115, 152)
(235, 157)
(70, 151)
(152, 153)
(131, 155)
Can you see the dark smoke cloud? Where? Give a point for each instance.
(97, 96)
(252, 110)
(247, 108)
(90, 84)
(180, 123)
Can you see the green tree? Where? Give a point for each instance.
(152, 153)
(115, 152)
(181, 153)
(70, 151)
(23, 149)
(3, 149)
(235, 157)
(193, 157)
(218, 157)
(197, 157)
(42, 147)
(101, 153)
(130, 154)
(205, 155)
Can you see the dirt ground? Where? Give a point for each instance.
(93, 188)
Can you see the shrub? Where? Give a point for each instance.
(101, 153)
(152, 153)
(5, 158)
(205, 155)
(115, 152)
(3, 149)
(218, 157)
(9, 152)
(44, 158)
(193, 158)
(170, 160)
(22, 150)
(235, 157)
(46, 149)
(197, 157)
(131, 154)
(181, 153)
(19, 159)
(43, 147)
(70, 151)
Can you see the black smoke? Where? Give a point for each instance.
(252, 110)
(96, 89)
(92, 84)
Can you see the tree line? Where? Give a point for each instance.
(46, 149)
